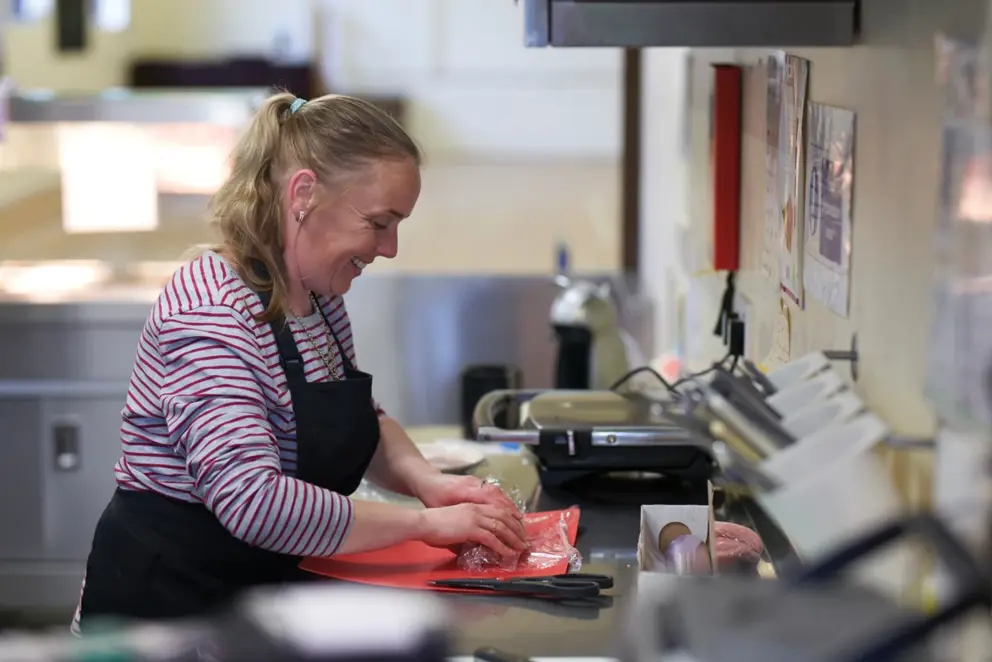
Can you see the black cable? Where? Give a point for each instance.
(726, 304)
(636, 371)
(673, 387)
(670, 386)
(703, 373)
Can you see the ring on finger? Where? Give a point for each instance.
(494, 524)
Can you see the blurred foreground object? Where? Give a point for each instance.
(302, 623)
(814, 616)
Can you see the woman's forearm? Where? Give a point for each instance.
(379, 525)
(398, 464)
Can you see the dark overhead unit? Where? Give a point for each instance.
(691, 23)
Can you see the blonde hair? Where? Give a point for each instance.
(331, 135)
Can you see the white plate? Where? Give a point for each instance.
(453, 456)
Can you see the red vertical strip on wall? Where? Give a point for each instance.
(727, 101)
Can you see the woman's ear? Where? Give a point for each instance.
(301, 190)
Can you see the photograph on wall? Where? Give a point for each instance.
(792, 175)
(829, 184)
(774, 66)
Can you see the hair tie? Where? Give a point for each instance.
(296, 105)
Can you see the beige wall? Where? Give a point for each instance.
(888, 81)
(471, 218)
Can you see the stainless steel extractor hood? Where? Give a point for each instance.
(219, 107)
(690, 23)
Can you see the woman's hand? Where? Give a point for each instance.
(497, 528)
(440, 490)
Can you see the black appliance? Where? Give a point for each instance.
(592, 351)
(478, 380)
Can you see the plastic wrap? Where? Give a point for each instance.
(688, 555)
(511, 491)
(547, 535)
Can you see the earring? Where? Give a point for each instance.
(299, 219)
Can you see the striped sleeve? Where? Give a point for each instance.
(214, 405)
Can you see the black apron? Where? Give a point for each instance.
(155, 558)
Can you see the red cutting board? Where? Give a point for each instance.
(414, 564)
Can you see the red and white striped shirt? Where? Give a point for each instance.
(208, 417)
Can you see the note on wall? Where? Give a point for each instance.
(781, 351)
(792, 176)
(773, 109)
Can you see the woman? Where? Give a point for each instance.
(247, 421)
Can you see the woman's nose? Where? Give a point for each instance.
(389, 243)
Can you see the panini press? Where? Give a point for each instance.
(578, 433)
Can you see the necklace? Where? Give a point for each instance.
(325, 355)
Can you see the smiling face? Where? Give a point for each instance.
(346, 227)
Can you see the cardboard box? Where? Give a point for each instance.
(698, 519)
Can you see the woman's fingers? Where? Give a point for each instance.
(488, 539)
(496, 497)
(504, 526)
(515, 525)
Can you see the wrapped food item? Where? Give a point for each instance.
(549, 546)
(547, 535)
(738, 548)
(684, 553)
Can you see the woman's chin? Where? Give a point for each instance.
(343, 278)
(341, 284)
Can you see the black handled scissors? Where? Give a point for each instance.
(563, 587)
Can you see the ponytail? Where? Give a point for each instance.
(248, 207)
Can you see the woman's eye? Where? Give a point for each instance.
(377, 223)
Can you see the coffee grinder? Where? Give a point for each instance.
(592, 353)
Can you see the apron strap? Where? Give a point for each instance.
(289, 353)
